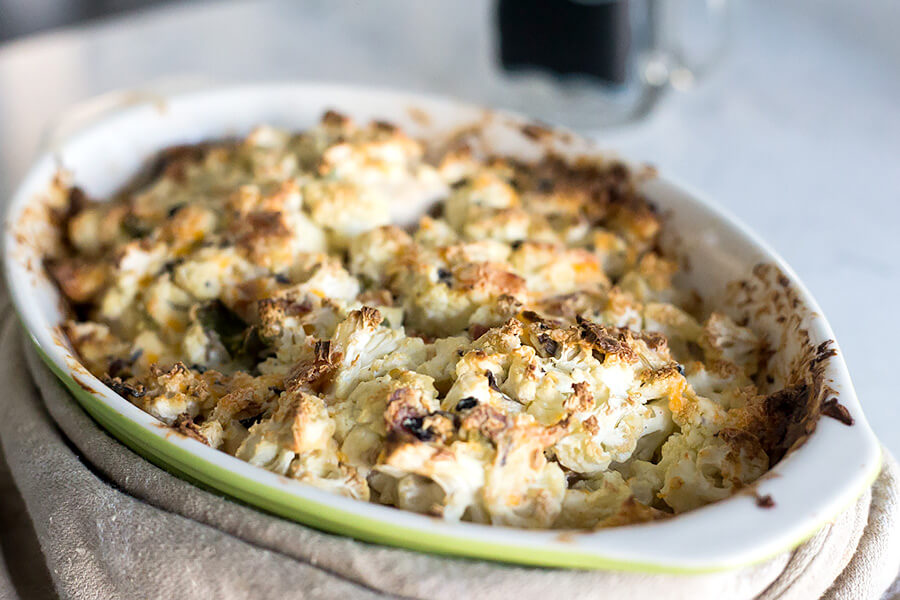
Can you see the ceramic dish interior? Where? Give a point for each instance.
(818, 478)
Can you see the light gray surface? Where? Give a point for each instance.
(798, 133)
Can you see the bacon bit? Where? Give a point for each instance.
(185, 425)
(834, 409)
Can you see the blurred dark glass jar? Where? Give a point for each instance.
(594, 63)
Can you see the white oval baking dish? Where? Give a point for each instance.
(811, 485)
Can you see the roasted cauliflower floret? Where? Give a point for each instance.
(345, 209)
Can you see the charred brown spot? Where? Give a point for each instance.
(581, 399)
(370, 316)
(467, 403)
(477, 330)
(124, 389)
(489, 277)
(291, 308)
(416, 426)
(654, 339)
(122, 365)
(834, 409)
(251, 421)
(543, 323)
(765, 501)
(322, 350)
(334, 118)
(78, 200)
(607, 340)
(261, 224)
(313, 374)
(591, 425)
(823, 352)
(405, 416)
(185, 425)
(384, 126)
(487, 420)
(382, 297)
(173, 162)
(550, 346)
(492, 381)
(536, 131)
(531, 317)
(79, 279)
(787, 411)
(444, 276)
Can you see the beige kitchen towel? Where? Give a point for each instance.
(84, 517)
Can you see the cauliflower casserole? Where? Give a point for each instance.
(519, 356)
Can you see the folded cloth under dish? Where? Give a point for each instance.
(105, 523)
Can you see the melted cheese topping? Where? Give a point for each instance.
(518, 357)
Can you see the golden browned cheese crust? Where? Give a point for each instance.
(520, 357)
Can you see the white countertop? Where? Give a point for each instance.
(798, 133)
